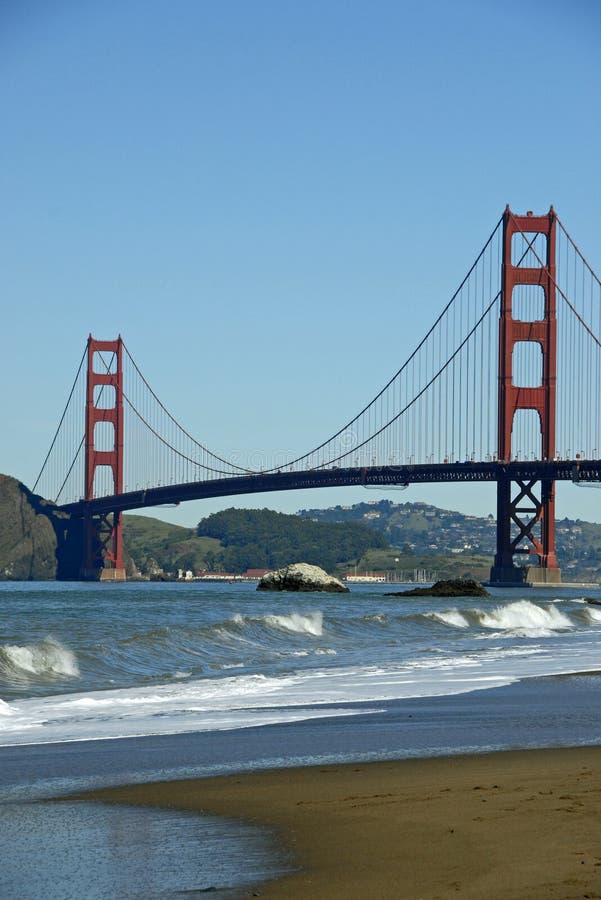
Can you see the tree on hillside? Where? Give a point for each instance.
(266, 539)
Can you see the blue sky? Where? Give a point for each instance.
(272, 201)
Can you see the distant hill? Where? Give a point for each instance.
(416, 527)
(427, 531)
(156, 546)
(261, 538)
(239, 539)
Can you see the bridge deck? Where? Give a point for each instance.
(537, 470)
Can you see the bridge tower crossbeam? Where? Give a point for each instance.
(526, 509)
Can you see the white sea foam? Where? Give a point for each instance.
(301, 623)
(46, 658)
(525, 617)
(592, 614)
(252, 700)
(507, 652)
(519, 618)
(309, 623)
(450, 617)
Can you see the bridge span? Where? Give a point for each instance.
(508, 377)
(582, 471)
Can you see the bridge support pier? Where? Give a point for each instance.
(525, 525)
(526, 509)
(103, 548)
(103, 544)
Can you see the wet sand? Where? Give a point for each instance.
(510, 825)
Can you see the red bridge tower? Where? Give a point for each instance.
(526, 508)
(103, 547)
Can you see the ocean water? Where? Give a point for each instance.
(103, 684)
(93, 661)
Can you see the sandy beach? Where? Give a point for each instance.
(511, 825)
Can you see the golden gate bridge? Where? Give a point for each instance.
(504, 387)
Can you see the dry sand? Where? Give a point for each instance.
(517, 825)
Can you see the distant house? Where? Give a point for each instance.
(256, 573)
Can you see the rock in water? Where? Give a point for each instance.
(301, 577)
(454, 587)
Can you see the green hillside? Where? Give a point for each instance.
(236, 539)
(261, 538)
(153, 544)
(446, 540)
(415, 566)
(375, 536)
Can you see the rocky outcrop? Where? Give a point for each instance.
(28, 540)
(454, 587)
(301, 577)
(38, 541)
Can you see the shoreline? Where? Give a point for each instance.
(507, 824)
(351, 827)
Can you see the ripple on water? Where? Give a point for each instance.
(60, 850)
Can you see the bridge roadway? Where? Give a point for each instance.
(373, 476)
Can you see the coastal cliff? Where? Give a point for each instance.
(38, 542)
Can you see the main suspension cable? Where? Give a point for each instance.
(423, 390)
(405, 364)
(177, 424)
(62, 419)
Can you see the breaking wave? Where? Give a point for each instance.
(311, 623)
(524, 615)
(45, 659)
(521, 617)
(300, 623)
(593, 615)
(451, 617)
